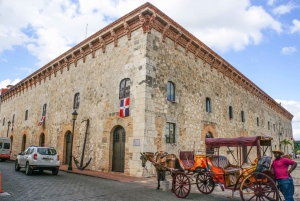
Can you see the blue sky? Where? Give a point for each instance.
(260, 38)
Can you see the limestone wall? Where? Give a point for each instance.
(194, 82)
(97, 80)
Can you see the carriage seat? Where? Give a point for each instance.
(187, 159)
(223, 163)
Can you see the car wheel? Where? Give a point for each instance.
(28, 170)
(55, 171)
(17, 168)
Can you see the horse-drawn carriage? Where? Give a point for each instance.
(250, 174)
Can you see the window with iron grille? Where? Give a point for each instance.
(243, 116)
(116, 137)
(208, 107)
(170, 92)
(26, 115)
(44, 109)
(76, 101)
(230, 113)
(170, 133)
(124, 90)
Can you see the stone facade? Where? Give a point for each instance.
(150, 49)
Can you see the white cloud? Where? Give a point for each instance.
(288, 50)
(270, 2)
(4, 60)
(296, 26)
(283, 9)
(47, 29)
(6, 82)
(294, 108)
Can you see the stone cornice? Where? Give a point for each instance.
(146, 16)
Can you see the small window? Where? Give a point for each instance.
(208, 107)
(170, 132)
(274, 127)
(124, 90)
(44, 109)
(268, 125)
(3, 121)
(170, 92)
(26, 115)
(76, 101)
(230, 113)
(243, 116)
(6, 146)
(257, 121)
(13, 122)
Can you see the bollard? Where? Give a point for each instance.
(165, 186)
(1, 191)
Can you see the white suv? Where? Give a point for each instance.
(38, 158)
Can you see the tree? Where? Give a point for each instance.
(285, 142)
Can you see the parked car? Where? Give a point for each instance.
(5, 148)
(38, 158)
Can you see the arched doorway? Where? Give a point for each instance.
(67, 146)
(209, 151)
(118, 159)
(42, 140)
(23, 143)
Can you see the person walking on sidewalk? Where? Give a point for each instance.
(280, 167)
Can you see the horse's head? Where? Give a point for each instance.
(145, 156)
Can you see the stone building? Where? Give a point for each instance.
(179, 92)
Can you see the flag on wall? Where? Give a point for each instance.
(124, 107)
(42, 120)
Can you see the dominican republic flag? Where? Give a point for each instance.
(42, 120)
(124, 107)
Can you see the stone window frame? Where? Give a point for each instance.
(171, 88)
(76, 101)
(274, 127)
(26, 115)
(208, 105)
(268, 125)
(170, 134)
(124, 88)
(257, 121)
(230, 113)
(3, 121)
(13, 122)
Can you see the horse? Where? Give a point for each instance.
(162, 162)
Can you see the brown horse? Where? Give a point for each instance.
(162, 162)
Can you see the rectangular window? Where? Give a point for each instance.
(6, 146)
(170, 132)
(274, 127)
(268, 125)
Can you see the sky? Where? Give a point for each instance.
(260, 38)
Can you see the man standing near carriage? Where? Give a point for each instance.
(282, 172)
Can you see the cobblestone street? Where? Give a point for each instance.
(69, 186)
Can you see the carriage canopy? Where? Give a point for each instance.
(237, 142)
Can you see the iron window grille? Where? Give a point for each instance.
(76, 101)
(44, 109)
(170, 133)
(230, 113)
(170, 92)
(208, 106)
(243, 116)
(124, 90)
(26, 115)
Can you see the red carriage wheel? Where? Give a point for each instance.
(181, 185)
(258, 186)
(205, 183)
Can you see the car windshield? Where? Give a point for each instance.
(46, 151)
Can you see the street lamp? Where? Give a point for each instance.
(8, 123)
(74, 117)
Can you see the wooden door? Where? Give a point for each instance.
(68, 147)
(118, 160)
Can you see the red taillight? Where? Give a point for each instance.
(35, 156)
(57, 157)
